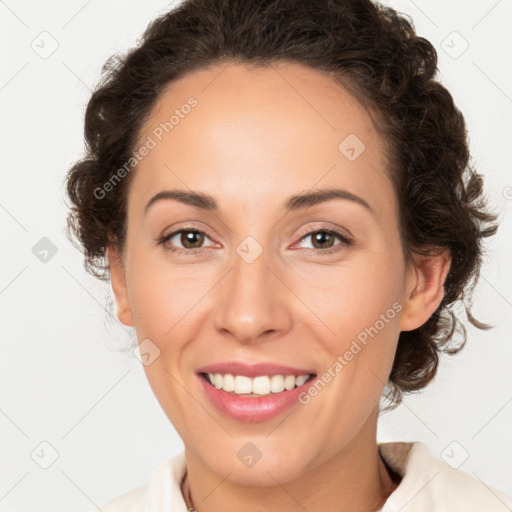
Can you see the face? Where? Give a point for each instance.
(264, 278)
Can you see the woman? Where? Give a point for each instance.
(279, 193)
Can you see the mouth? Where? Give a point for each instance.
(253, 399)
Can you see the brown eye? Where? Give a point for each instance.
(322, 239)
(186, 241)
(191, 239)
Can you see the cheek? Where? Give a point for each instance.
(359, 308)
(351, 297)
(162, 294)
(362, 311)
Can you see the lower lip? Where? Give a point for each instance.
(253, 409)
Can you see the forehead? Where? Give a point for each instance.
(257, 134)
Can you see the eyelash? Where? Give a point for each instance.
(347, 242)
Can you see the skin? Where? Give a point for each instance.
(257, 136)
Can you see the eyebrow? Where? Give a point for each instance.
(295, 202)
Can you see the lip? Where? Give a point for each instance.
(253, 370)
(253, 409)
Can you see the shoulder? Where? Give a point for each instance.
(131, 501)
(428, 483)
(161, 492)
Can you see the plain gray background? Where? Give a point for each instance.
(63, 382)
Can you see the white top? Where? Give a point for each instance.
(427, 485)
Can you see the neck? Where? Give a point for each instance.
(355, 479)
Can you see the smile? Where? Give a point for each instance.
(255, 399)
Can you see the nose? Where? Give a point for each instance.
(253, 302)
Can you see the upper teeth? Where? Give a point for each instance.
(263, 385)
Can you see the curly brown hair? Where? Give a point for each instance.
(372, 51)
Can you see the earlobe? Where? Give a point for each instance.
(424, 289)
(118, 283)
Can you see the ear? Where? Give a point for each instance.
(424, 288)
(118, 282)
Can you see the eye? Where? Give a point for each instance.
(190, 239)
(323, 239)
